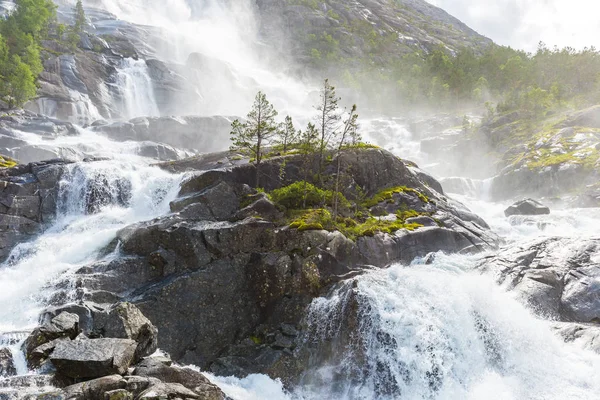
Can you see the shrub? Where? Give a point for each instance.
(302, 194)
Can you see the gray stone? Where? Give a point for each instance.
(527, 207)
(7, 363)
(126, 321)
(93, 358)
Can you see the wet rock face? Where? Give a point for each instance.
(28, 195)
(205, 134)
(527, 207)
(558, 278)
(7, 363)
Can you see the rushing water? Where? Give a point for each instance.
(136, 92)
(95, 201)
(439, 331)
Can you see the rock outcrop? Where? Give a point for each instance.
(101, 365)
(557, 277)
(226, 283)
(202, 133)
(28, 199)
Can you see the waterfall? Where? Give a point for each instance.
(438, 332)
(95, 201)
(135, 90)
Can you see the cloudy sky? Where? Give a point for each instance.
(523, 23)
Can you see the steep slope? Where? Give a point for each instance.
(362, 30)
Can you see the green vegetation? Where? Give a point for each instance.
(315, 211)
(7, 162)
(256, 132)
(386, 195)
(303, 194)
(21, 34)
(261, 136)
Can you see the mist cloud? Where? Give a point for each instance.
(523, 24)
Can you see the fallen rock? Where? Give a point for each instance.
(64, 325)
(96, 388)
(527, 207)
(93, 358)
(187, 377)
(126, 321)
(163, 391)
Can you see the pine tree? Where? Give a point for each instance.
(256, 132)
(287, 135)
(328, 120)
(80, 20)
(349, 134)
(308, 143)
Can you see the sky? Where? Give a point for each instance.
(523, 24)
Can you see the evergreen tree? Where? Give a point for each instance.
(256, 132)
(328, 120)
(80, 20)
(287, 135)
(349, 135)
(307, 144)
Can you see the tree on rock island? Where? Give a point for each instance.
(254, 134)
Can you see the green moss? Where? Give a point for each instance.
(303, 194)
(360, 145)
(7, 162)
(312, 226)
(319, 219)
(256, 340)
(387, 194)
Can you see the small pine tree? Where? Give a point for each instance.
(287, 135)
(349, 134)
(256, 132)
(80, 20)
(307, 144)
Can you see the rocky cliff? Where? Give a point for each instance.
(361, 31)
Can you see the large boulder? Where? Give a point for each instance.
(527, 207)
(95, 389)
(28, 198)
(186, 377)
(558, 278)
(126, 321)
(43, 339)
(93, 358)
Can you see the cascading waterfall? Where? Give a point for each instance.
(95, 201)
(135, 91)
(440, 332)
(435, 331)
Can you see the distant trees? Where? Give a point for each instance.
(21, 34)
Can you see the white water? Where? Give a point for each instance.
(136, 93)
(76, 238)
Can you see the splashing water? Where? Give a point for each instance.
(95, 201)
(135, 90)
(430, 332)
